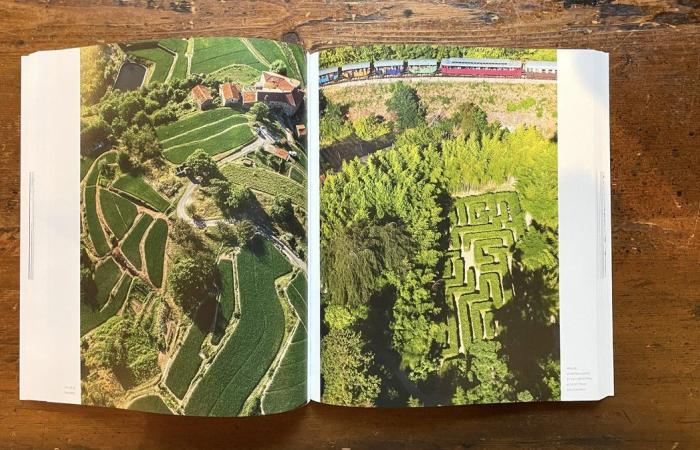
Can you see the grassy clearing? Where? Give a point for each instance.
(161, 59)
(130, 246)
(155, 251)
(288, 387)
(266, 181)
(248, 353)
(94, 228)
(150, 403)
(178, 46)
(141, 190)
(92, 317)
(272, 51)
(234, 137)
(187, 360)
(211, 54)
(119, 213)
(242, 74)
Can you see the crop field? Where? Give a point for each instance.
(187, 360)
(266, 181)
(119, 213)
(150, 403)
(258, 336)
(161, 59)
(229, 139)
(483, 230)
(85, 164)
(272, 51)
(297, 295)
(205, 131)
(211, 54)
(288, 387)
(91, 318)
(106, 276)
(141, 190)
(94, 228)
(130, 246)
(94, 173)
(227, 300)
(193, 121)
(154, 248)
(178, 46)
(297, 175)
(300, 59)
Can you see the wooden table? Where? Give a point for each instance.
(655, 120)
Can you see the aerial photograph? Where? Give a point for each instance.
(193, 226)
(439, 225)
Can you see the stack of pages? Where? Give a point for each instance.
(230, 226)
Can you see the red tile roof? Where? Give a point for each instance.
(229, 91)
(271, 80)
(293, 98)
(201, 94)
(249, 97)
(278, 152)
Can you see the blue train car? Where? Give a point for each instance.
(389, 67)
(328, 75)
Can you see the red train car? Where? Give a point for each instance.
(481, 67)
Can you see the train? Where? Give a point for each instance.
(446, 67)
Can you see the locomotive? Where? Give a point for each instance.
(446, 67)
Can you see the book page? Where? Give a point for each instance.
(191, 204)
(440, 226)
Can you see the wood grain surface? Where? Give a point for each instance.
(654, 47)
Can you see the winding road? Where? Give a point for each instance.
(262, 229)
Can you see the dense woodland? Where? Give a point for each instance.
(384, 231)
(345, 55)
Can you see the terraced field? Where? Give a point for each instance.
(297, 295)
(227, 300)
(92, 221)
(154, 247)
(191, 122)
(118, 212)
(272, 51)
(140, 190)
(212, 54)
(288, 387)
(248, 353)
(131, 245)
(150, 403)
(483, 230)
(160, 59)
(178, 46)
(91, 316)
(267, 181)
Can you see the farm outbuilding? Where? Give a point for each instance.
(230, 94)
(202, 96)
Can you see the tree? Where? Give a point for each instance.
(260, 111)
(227, 233)
(141, 142)
(94, 135)
(245, 232)
(405, 103)
(191, 280)
(470, 119)
(278, 66)
(201, 165)
(345, 368)
(370, 127)
(239, 197)
(282, 209)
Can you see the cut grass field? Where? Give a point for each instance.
(272, 51)
(161, 61)
(141, 190)
(187, 361)
(205, 132)
(249, 352)
(193, 121)
(227, 300)
(94, 228)
(288, 387)
(266, 181)
(297, 295)
(154, 247)
(231, 138)
(214, 53)
(92, 317)
(85, 164)
(178, 46)
(131, 245)
(118, 212)
(106, 276)
(150, 403)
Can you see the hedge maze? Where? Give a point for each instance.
(483, 230)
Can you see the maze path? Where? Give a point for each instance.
(477, 276)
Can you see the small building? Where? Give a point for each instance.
(230, 94)
(388, 67)
(248, 97)
(278, 152)
(356, 70)
(279, 92)
(202, 97)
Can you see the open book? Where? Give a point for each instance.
(229, 226)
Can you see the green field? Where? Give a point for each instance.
(150, 403)
(94, 228)
(187, 360)
(297, 295)
(178, 46)
(193, 121)
(106, 276)
(266, 181)
(233, 137)
(232, 377)
(297, 175)
(93, 175)
(131, 245)
(161, 59)
(92, 317)
(204, 132)
(288, 387)
(118, 212)
(227, 300)
(136, 187)
(272, 51)
(211, 54)
(300, 59)
(155, 251)
(85, 164)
